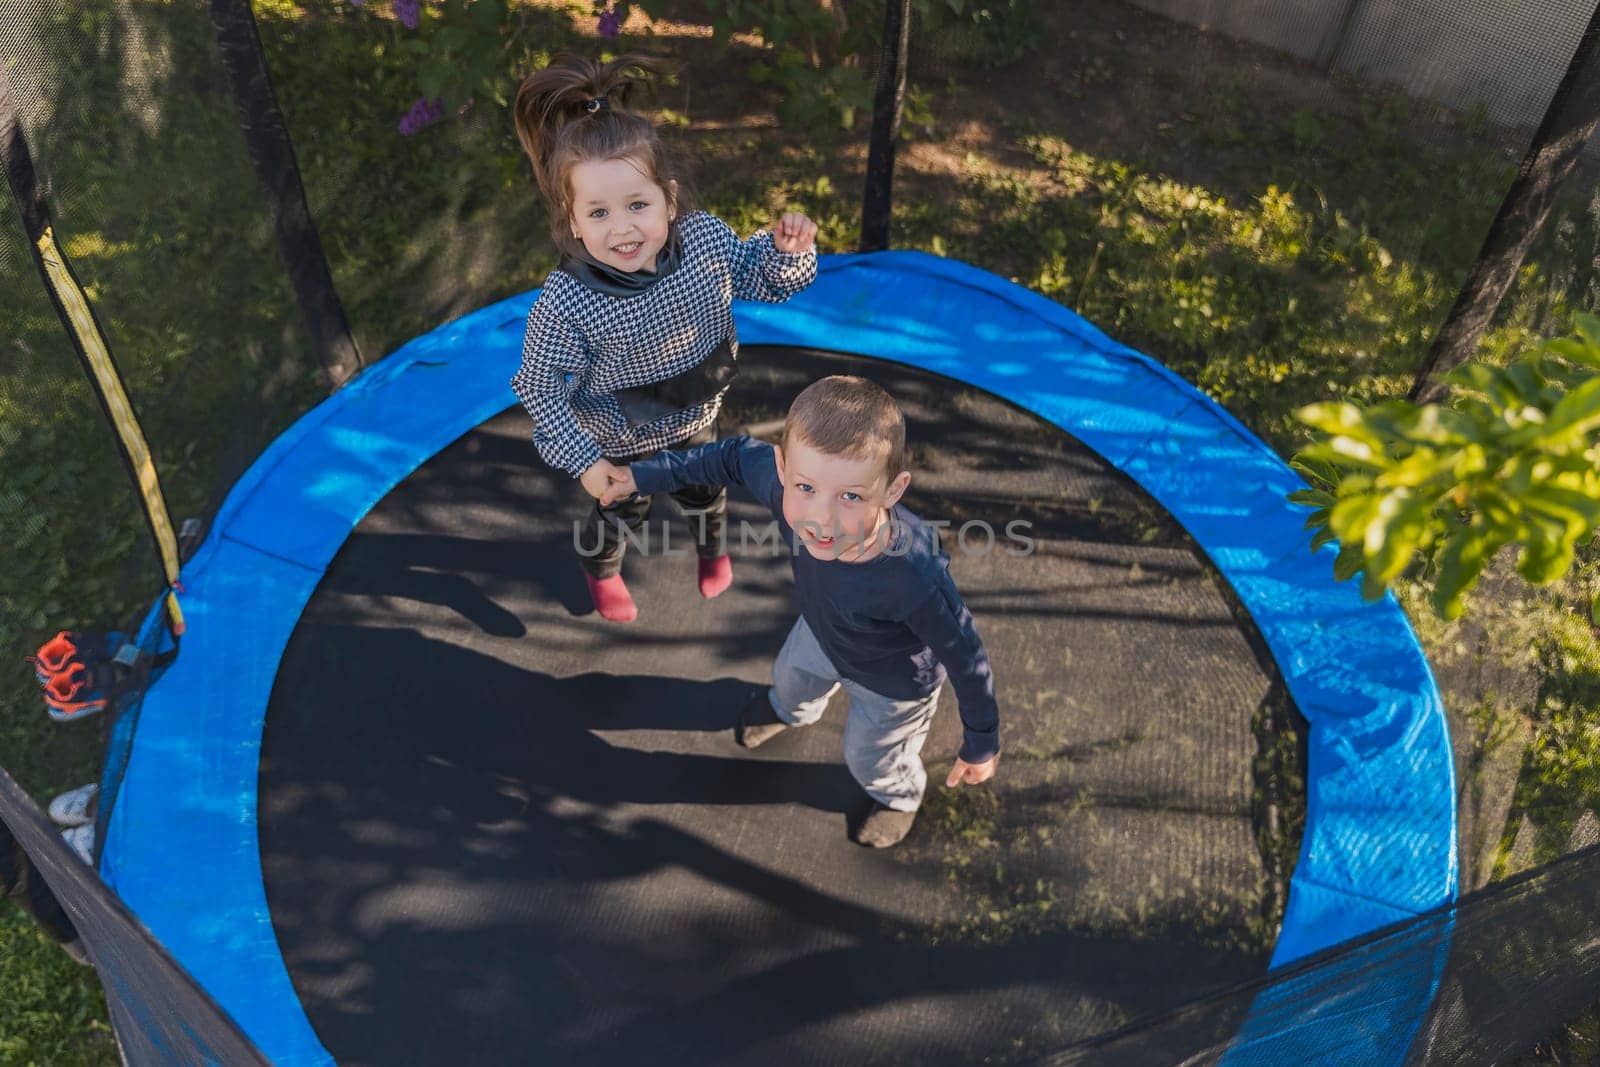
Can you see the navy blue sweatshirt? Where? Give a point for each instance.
(894, 623)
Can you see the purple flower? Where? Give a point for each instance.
(610, 21)
(409, 12)
(423, 113)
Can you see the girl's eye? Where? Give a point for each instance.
(598, 213)
(639, 204)
(852, 497)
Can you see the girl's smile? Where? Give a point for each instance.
(620, 215)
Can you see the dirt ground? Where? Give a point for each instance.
(1109, 79)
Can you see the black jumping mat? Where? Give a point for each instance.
(497, 829)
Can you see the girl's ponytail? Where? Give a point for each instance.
(581, 104)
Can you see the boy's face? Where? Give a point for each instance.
(620, 215)
(836, 504)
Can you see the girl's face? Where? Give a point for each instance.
(620, 214)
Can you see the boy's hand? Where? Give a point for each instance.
(621, 488)
(972, 773)
(601, 478)
(794, 233)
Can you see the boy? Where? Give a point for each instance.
(879, 613)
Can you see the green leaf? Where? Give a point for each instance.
(1353, 515)
(1339, 419)
(488, 14)
(450, 39)
(1402, 529)
(1315, 470)
(1416, 469)
(1474, 376)
(432, 78)
(1576, 511)
(1578, 412)
(1547, 552)
(1311, 498)
(1589, 327)
(1461, 563)
(1526, 379)
(1348, 565)
(1317, 519)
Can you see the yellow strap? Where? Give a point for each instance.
(116, 399)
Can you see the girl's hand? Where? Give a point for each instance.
(621, 488)
(794, 233)
(972, 773)
(599, 479)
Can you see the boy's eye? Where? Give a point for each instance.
(803, 487)
(852, 497)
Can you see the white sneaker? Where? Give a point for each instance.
(74, 808)
(81, 838)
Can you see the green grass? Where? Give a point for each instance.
(1320, 269)
(55, 1014)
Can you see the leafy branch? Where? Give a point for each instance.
(1513, 461)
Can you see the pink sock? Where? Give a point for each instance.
(715, 576)
(611, 598)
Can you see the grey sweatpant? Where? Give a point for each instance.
(882, 736)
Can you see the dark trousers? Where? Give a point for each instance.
(603, 540)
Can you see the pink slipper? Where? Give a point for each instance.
(611, 598)
(715, 576)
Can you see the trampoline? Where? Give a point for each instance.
(427, 808)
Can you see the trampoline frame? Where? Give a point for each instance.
(1379, 844)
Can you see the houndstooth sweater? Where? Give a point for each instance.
(582, 344)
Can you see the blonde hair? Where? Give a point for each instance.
(843, 415)
(559, 125)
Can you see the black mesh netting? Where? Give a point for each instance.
(161, 1016)
(1521, 957)
(134, 137)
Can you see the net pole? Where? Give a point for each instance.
(272, 153)
(887, 107)
(1567, 128)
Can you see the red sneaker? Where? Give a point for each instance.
(54, 656)
(715, 576)
(611, 598)
(73, 694)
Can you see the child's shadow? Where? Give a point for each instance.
(435, 724)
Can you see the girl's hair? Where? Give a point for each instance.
(560, 126)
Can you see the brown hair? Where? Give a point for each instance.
(843, 415)
(557, 130)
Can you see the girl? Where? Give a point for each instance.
(630, 347)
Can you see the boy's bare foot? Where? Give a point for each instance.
(611, 598)
(758, 722)
(715, 576)
(882, 827)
